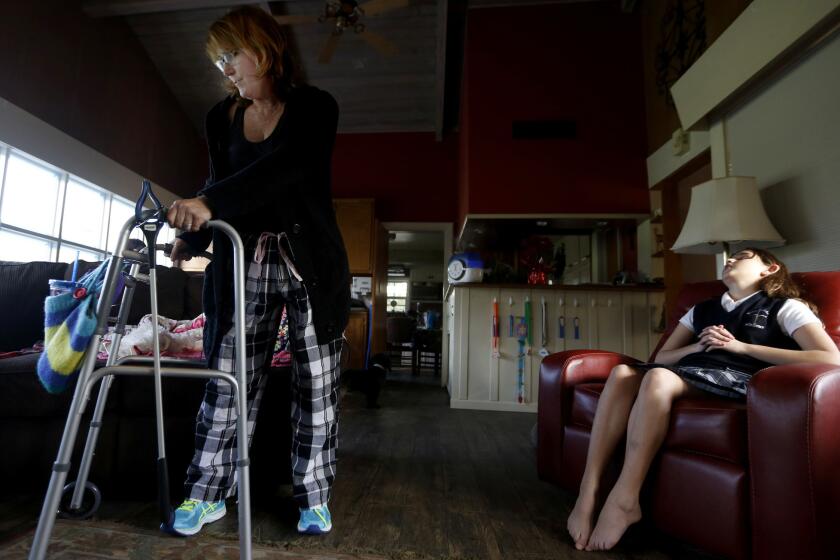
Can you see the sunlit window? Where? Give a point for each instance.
(68, 253)
(48, 215)
(31, 196)
(121, 211)
(84, 214)
(20, 247)
(397, 295)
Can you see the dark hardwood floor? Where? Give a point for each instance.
(416, 479)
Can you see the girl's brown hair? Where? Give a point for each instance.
(254, 30)
(779, 284)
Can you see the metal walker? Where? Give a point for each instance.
(150, 222)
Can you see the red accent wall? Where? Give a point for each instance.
(463, 151)
(562, 61)
(412, 177)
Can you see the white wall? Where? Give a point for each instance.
(787, 134)
(427, 272)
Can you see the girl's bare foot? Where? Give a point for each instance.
(616, 516)
(579, 524)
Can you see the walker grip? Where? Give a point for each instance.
(145, 193)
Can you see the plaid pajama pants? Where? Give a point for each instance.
(271, 282)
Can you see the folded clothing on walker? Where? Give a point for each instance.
(182, 339)
(178, 339)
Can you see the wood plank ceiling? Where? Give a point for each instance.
(376, 93)
(403, 92)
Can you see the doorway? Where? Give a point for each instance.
(418, 253)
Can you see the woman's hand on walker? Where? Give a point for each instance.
(188, 214)
(180, 251)
(716, 337)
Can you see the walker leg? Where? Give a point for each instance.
(90, 444)
(62, 462)
(96, 422)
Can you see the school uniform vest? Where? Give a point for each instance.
(755, 322)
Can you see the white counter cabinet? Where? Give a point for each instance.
(562, 318)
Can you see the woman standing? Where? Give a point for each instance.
(270, 145)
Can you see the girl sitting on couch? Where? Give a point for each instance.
(716, 348)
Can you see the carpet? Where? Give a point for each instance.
(83, 539)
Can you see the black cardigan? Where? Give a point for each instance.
(286, 191)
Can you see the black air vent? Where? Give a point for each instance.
(543, 130)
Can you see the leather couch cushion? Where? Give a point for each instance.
(23, 287)
(702, 500)
(585, 402)
(172, 295)
(707, 426)
(23, 396)
(710, 426)
(172, 286)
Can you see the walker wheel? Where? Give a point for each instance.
(91, 500)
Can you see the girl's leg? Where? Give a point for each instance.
(607, 429)
(212, 474)
(646, 431)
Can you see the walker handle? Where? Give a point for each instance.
(151, 224)
(145, 193)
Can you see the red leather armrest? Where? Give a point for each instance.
(793, 416)
(559, 373)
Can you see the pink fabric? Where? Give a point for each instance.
(178, 339)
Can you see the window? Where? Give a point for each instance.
(31, 196)
(46, 214)
(121, 211)
(21, 247)
(397, 295)
(84, 214)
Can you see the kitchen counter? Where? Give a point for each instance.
(503, 373)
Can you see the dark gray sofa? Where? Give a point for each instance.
(32, 420)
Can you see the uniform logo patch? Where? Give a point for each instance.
(758, 319)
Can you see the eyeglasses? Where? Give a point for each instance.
(742, 256)
(226, 59)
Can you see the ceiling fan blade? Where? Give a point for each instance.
(296, 20)
(329, 48)
(379, 43)
(374, 7)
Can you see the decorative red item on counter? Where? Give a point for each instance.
(539, 274)
(535, 252)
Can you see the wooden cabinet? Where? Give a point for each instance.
(562, 318)
(366, 242)
(355, 217)
(356, 334)
(379, 287)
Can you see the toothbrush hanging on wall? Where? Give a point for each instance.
(520, 371)
(544, 331)
(529, 330)
(511, 320)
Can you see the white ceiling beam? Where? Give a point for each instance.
(111, 8)
(766, 34)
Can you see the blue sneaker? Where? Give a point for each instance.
(315, 521)
(191, 516)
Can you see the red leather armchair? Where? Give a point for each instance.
(759, 479)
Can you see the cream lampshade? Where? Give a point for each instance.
(726, 211)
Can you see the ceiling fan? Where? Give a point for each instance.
(349, 14)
